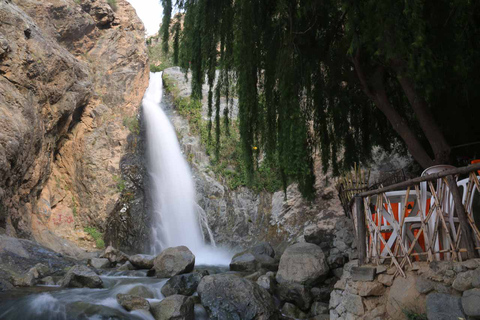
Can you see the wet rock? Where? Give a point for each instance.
(176, 307)
(255, 258)
(85, 310)
(295, 293)
(130, 302)
(114, 255)
(290, 310)
(81, 276)
(174, 261)
(127, 266)
(5, 285)
(142, 261)
(184, 284)
(141, 291)
(99, 263)
(241, 298)
(471, 302)
(441, 306)
(47, 281)
(302, 263)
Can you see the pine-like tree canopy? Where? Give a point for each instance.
(338, 77)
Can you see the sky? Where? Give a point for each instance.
(150, 11)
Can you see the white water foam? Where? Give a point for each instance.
(175, 219)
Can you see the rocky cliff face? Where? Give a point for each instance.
(72, 75)
(242, 217)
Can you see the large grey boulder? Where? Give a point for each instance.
(176, 307)
(174, 261)
(142, 261)
(86, 310)
(130, 302)
(229, 297)
(302, 263)
(442, 306)
(81, 276)
(184, 284)
(99, 263)
(471, 302)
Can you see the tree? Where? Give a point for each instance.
(165, 28)
(336, 76)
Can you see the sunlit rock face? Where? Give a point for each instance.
(72, 76)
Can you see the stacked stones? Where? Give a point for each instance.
(439, 290)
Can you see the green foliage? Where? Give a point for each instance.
(132, 124)
(120, 183)
(411, 315)
(113, 4)
(301, 94)
(226, 153)
(159, 60)
(96, 235)
(165, 28)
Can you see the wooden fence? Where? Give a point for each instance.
(427, 218)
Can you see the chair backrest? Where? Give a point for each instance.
(436, 169)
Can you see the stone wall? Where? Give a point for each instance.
(439, 290)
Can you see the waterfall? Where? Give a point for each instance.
(175, 218)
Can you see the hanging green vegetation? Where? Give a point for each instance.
(336, 77)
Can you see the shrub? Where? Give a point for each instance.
(96, 235)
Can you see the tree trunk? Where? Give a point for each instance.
(435, 137)
(378, 95)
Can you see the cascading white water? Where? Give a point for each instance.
(175, 221)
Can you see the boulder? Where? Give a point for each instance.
(130, 302)
(263, 248)
(248, 261)
(174, 261)
(240, 298)
(295, 293)
(47, 281)
(81, 276)
(471, 302)
(441, 306)
(184, 284)
(127, 266)
(141, 291)
(176, 307)
(302, 263)
(366, 289)
(99, 263)
(403, 295)
(142, 261)
(363, 273)
(267, 281)
(115, 256)
(386, 279)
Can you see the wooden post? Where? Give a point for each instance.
(462, 216)
(361, 230)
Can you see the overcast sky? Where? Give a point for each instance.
(150, 11)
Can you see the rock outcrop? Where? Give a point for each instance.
(71, 74)
(81, 276)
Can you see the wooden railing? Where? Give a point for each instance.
(430, 219)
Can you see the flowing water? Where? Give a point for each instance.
(177, 220)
